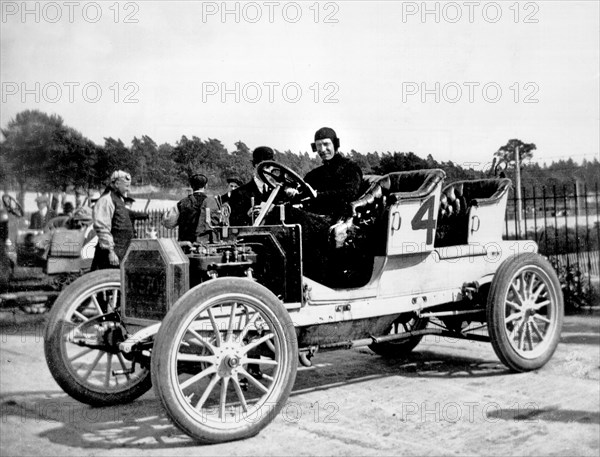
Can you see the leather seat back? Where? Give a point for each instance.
(456, 203)
(398, 185)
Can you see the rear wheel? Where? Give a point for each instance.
(81, 343)
(525, 312)
(224, 360)
(398, 349)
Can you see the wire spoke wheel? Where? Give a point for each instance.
(81, 343)
(525, 312)
(225, 360)
(529, 313)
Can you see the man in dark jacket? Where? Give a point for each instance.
(242, 198)
(112, 223)
(191, 213)
(337, 182)
(40, 218)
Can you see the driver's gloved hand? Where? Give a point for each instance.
(339, 232)
(291, 192)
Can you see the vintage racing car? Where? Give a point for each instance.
(37, 264)
(219, 328)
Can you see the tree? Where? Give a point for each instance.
(361, 160)
(28, 139)
(374, 160)
(507, 152)
(4, 168)
(144, 149)
(113, 156)
(162, 170)
(514, 153)
(400, 161)
(238, 164)
(195, 156)
(71, 157)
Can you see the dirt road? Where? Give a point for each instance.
(449, 398)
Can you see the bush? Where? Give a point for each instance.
(577, 292)
(553, 241)
(563, 239)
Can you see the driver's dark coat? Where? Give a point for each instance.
(337, 183)
(240, 202)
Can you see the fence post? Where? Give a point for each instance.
(577, 252)
(506, 211)
(545, 219)
(524, 211)
(519, 210)
(555, 220)
(587, 234)
(597, 213)
(517, 225)
(565, 204)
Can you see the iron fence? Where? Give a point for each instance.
(564, 221)
(145, 228)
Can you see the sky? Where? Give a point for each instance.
(456, 80)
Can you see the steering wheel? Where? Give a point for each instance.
(12, 206)
(273, 174)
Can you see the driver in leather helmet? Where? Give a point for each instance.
(337, 183)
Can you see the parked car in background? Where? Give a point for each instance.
(38, 264)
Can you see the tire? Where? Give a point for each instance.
(401, 348)
(191, 358)
(525, 312)
(86, 373)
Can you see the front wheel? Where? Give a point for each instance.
(525, 312)
(81, 343)
(224, 360)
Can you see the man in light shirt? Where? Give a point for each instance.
(112, 223)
